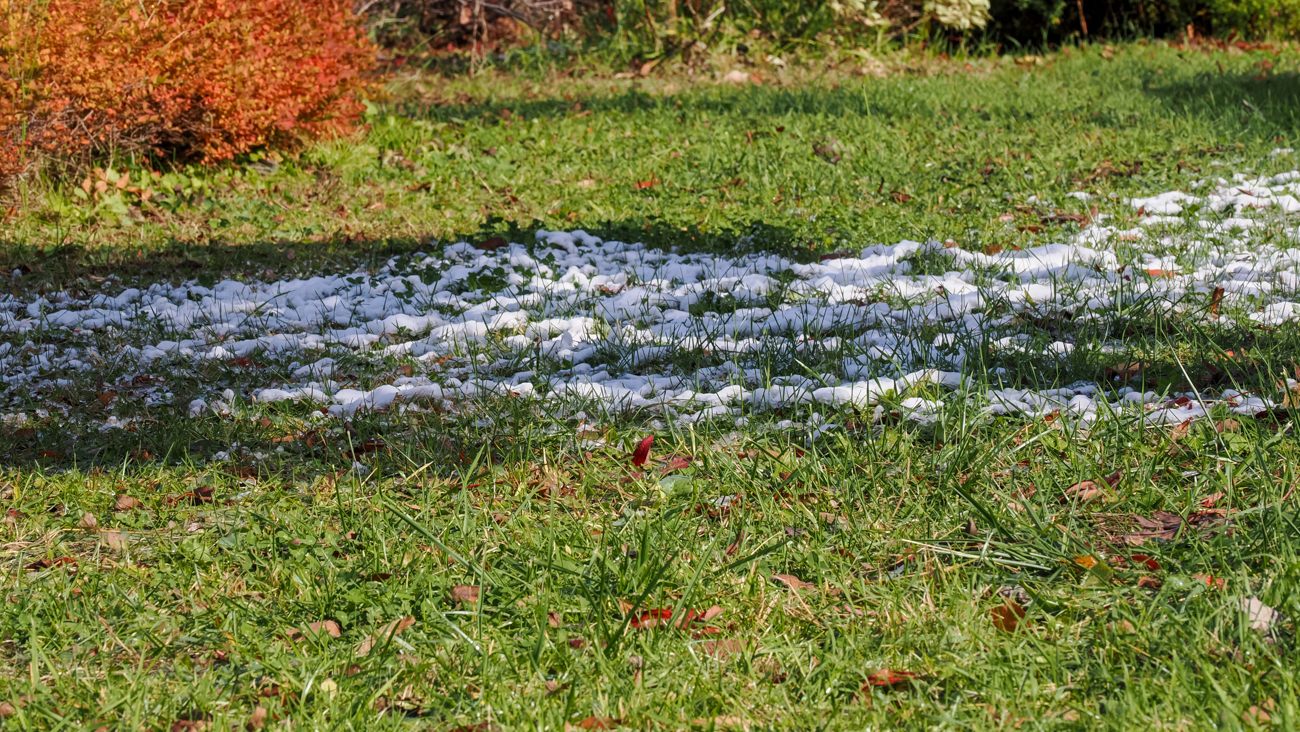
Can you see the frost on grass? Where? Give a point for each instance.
(578, 324)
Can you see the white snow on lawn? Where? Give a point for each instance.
(573, 320)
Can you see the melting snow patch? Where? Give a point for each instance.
(571, 319)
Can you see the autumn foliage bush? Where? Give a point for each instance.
(192, 80)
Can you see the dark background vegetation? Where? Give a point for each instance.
(638, 30)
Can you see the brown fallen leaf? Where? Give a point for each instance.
(124, 502)
(114, 540)
(46, 563)
(1167, 526)
(594, 722)
(722, 648)
(1216, 301)
(1260, 714)
(491, 244)
(464, 594)
(1007, 616)
(1227, 425)
(792, 582)
(257, 720)
(319, 627)
(1089, 490)
(384, 634)
(7, 710)
(1125, 370)
(1261, 617)
(88, 521)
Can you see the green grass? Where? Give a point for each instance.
(193, 605)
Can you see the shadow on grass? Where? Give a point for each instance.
(1265, 102)
(1263, 97)
(81, 269)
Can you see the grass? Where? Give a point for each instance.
(922, 545)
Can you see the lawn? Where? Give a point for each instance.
(972, 388)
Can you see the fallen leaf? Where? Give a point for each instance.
(830, 150)
(655, 617)
(1214, 583)
(647, 184)
(384, 634)
(737, 76)
(676, 462)
(1125, 371)
(642, 452)
(1180, 430)
(126, 503)
(722, 649)
(200, 495)
(1089, 490)
(1227, 425)
(46, 563)
(1213, 498)
(257, 720)
(319, 627)
(464, 594)
(1146, 561)
(7, 710)
(1007, 616)
(1261, 617)
(793, 582)
(888, 678)
(492, 244)
(553, 619)
(114, 540)
(1216, 300)
(1148, 582)
(1259, 714)
(1166, 526)
(88, 521)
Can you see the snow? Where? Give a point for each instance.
(584, 324)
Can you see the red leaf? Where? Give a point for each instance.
(651, 618)
(644, 184)
(1149, 562)
(1214, 583)
(46, 563)
(676, 462)
(888, 678)
(1007, 616)
(492, 244)
(642, 452)
(655, 617)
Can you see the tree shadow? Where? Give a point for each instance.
(1262, 102)
(80, 269)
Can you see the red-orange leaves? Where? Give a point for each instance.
(888, 678)
(195, 79)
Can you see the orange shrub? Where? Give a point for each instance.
(197, 80)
